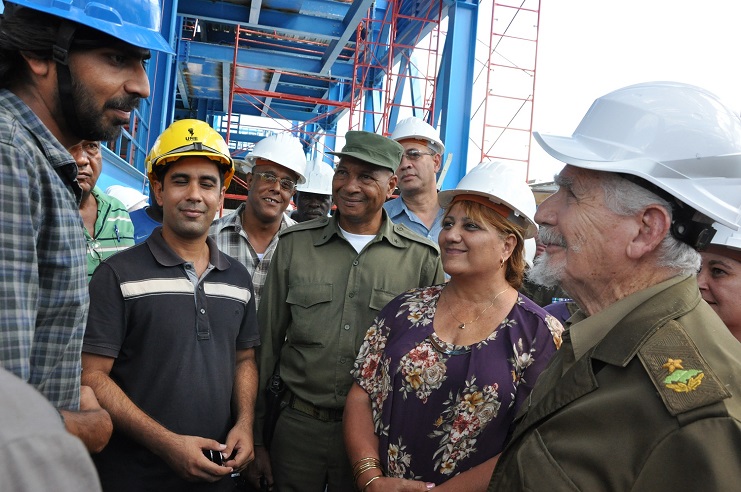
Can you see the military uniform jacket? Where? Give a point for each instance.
(654, 406)
(321, 296)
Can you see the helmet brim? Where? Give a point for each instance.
(678, 178)
(516, 216)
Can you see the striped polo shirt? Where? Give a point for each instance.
(113, 231)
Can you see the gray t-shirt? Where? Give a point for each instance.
(36, 451)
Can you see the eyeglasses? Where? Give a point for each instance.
(414, 154)
(285, 183)
(93, 249)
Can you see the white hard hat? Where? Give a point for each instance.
(131, 198)
(530, 247)
(418, 129)
(283, 149)
(243, 166)
(501, 183)
(319, 178)
(678, 137)
(726, 237)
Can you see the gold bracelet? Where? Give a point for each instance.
(364, 468)
(369, 482)
(362, 460)
(363, 465)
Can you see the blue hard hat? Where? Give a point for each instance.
(136, 22)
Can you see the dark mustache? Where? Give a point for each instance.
(127, 104)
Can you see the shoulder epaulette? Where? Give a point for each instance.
(679, 372)
(406, 232)
(305, 226)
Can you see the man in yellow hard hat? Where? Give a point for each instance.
(169, 345)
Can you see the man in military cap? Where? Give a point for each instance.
(328, 279)
(644, 393)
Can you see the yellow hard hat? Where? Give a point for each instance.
(189, 138)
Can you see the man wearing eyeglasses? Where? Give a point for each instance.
(328, 279)
(108, 227)
(416, 206)
(250, 233)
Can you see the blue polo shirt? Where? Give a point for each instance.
(400, 214)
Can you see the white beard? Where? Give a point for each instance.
(546, 272)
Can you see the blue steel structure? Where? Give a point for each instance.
(296, 59)
(299, 62)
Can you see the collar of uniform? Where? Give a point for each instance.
(387, 231)
(101, 198)
(233, 219)
(59, 158)
(617, 332)
(396, 207)
(165, 256)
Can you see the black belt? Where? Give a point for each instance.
(319, 413)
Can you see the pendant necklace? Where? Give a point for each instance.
(462, 325)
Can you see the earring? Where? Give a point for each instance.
(501, 262)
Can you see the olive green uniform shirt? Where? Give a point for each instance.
(320, 298)
(647, 399)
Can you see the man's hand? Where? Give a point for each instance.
(260, 467)
(239, 448)
(184, 454)
(91, 424)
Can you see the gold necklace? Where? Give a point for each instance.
(462, 325)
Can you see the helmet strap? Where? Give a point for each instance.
(685, 228)
(688, 225)
(60, 54)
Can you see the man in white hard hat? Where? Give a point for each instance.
(250, 234)
(644, 393)
(69, 71)
(416, 206)
(314, 198)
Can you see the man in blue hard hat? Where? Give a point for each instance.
(69, 71)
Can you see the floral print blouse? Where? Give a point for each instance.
(438, 408)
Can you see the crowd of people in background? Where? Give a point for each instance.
(365, 341)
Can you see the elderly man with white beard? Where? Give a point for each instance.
(644, 393)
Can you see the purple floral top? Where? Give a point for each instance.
(438, 408)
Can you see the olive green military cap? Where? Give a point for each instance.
(372, 148)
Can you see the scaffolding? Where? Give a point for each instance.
(396, 63)
(264, 99)
(506, 111)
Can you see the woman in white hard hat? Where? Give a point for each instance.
(720, 277)
(444, 369)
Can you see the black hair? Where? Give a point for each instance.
(27, 31)
(34, 33)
